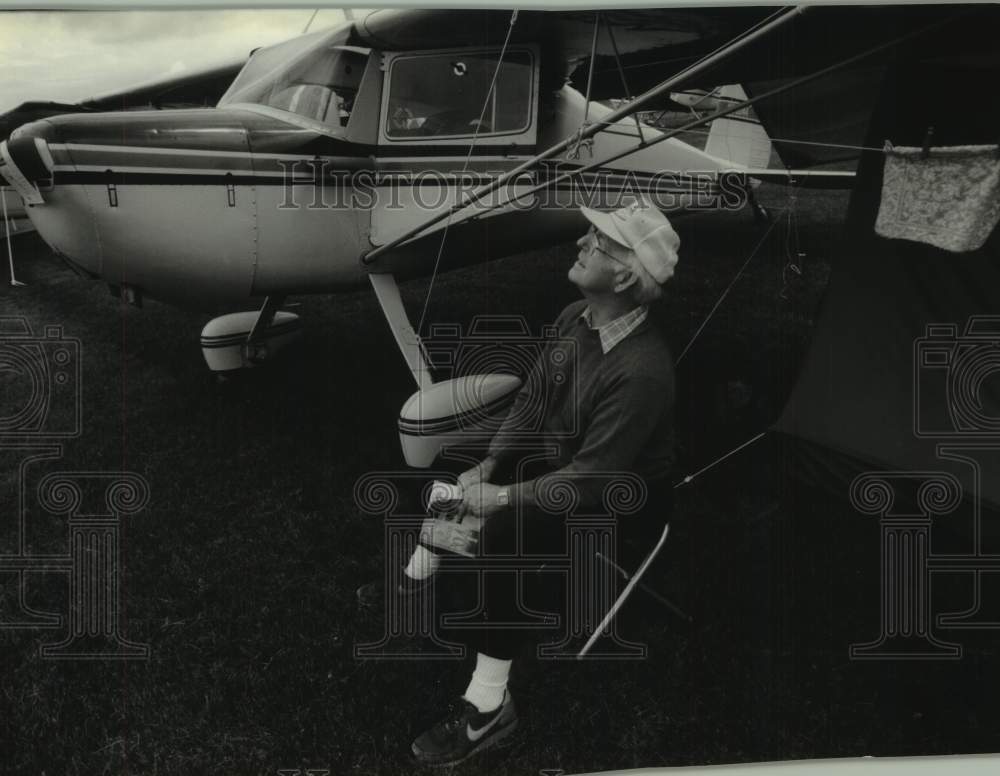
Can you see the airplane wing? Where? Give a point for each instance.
(817, 117)
(683, 32)
(646, 46)
(199, 89)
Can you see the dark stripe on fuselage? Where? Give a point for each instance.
(175, 148)
(615, 180)
(162, 179)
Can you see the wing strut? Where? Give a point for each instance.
(407, 341)
(746, 172)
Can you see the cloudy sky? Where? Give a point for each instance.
(69, 56)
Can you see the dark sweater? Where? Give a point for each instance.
(600, 413)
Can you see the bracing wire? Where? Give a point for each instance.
(590, 71)
(574, 151)
(725, 293)
(548, 183)
(783, 17)
(621, 74)
(691, 477)
(309, 23)
(465, 167)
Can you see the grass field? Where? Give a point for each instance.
(240, 572)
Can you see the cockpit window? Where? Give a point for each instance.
(318, 83)
(449, 95)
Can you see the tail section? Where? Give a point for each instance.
(739, 137)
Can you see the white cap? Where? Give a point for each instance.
(643, 229)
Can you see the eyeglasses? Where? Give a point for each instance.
(593, 235)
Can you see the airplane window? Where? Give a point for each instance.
(442, 95)
(319, 84)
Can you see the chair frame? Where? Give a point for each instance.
(634, 581)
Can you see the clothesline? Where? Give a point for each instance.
(817, 143)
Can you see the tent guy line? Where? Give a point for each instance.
(725, 293)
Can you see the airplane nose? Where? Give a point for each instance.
(62, 215)
(26, 163)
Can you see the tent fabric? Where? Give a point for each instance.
(905, 357)
(875, 385)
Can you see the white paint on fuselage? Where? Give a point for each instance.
(670, 155)
(202, 243)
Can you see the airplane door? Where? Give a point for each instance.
(450, 121)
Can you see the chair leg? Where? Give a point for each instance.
(629, 587)
(660, 599)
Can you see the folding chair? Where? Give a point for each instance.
(634, 581)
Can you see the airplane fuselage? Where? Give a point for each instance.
(206, 207)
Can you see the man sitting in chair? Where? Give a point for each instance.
(618, 417)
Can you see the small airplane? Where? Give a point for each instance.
(365, 152)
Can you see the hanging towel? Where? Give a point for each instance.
(951, 199)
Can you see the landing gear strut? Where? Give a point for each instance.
(248, 339)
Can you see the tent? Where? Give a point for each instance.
(903, 373)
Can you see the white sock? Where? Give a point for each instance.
(489, 682)
(423, 563)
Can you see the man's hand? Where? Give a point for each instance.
(480, 501)
(481, 472)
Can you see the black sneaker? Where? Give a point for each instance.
(465, 731)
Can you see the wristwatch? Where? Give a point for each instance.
(503, 497)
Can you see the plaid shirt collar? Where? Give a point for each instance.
(615, 331)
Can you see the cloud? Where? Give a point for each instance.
(73, 55)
